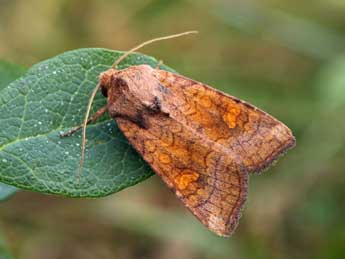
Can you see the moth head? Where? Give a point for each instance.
(105, 80)
(111, 78)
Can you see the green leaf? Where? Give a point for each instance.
(51, 98)
(6, 191)
(8, 73)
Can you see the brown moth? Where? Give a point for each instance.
(203, 143)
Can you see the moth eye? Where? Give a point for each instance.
(104, 91)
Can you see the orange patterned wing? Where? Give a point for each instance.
(255, 137)
(205, 178)
(201, 142)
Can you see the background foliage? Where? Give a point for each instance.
(286, 57)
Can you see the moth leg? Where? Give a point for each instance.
(94, 117)
(159, 64)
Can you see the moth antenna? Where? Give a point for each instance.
(120, 59)
(92, 97)
(83, 143)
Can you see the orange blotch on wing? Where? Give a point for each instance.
(164, 158)
(205, 101)
(194, 200)
(186, 178)
(189, 108)
(230, 117)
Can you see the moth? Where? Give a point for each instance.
(202, 142)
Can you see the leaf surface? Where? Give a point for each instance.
(8, 73)
(51, 98)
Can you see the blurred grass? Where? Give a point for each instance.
(286, 57)
(4, 253)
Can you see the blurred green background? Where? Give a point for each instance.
(286, 57)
